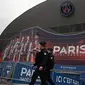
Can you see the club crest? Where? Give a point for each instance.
(67, 8)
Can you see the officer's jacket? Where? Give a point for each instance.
(41, 58)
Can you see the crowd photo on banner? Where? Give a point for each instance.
(23, 47)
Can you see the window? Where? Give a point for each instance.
(75, 28)
(64, 29)
(56, 29)
(83, 26)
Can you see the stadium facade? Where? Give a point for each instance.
(61, 23)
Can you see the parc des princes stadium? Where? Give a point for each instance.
(61, 23)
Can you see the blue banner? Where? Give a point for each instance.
(23, 74)
(6, 67)
(63, 79)
(70, 68)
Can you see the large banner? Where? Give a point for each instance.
(6, 71)
(63, 79)
(23, 73)
(67, 49)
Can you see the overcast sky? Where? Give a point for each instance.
(11, 9)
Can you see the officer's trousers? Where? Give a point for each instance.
(42, 76)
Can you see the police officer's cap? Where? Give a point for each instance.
(43, 43)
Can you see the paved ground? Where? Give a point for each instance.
(5, 84)
(12, 84)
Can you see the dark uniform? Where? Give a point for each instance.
(40, 61)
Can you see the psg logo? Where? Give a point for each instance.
(67, 8)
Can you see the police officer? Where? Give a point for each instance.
(40, 62)
(50, 65)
